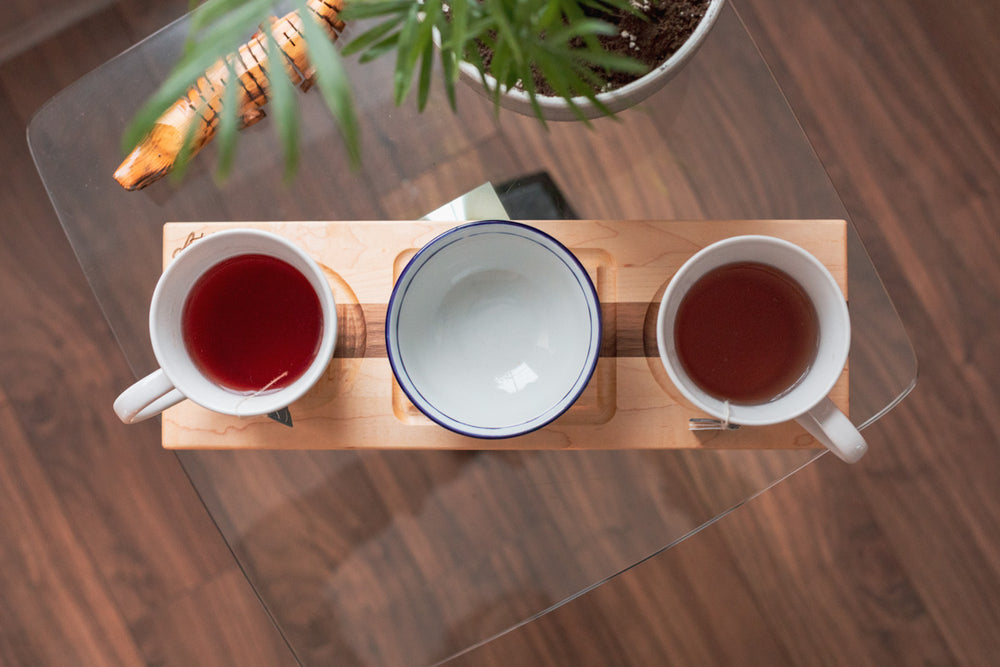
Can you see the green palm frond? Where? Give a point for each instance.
(557, 39)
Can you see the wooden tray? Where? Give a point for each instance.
(630, 402)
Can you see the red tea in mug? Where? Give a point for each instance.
(252, 322)
(746, 332)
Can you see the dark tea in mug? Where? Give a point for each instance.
(746, 332)
(252, 323)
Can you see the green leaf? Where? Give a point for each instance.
(333, 84)
(473, 58)
(573, 15)
(449, 68)
(551, 15)
(613, 61)
(454, 35)
(529, 87)
(560, 79)
(408, 50)
(504, 29)
(524, 35)
(457, 28)
(581, 29)
(200, 54)
(432, 14)
(231, 27)
(187, 145)
(366, 9)
(369, 37)
(385, 46)
(283, 105)
(478, 29)
(211, 11)
(228, 124)
(501, 66)
(184, 74)
(426, 63)
(610, 6)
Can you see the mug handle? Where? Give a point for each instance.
(147, 398)
(835, 431)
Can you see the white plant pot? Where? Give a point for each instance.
(556, 108)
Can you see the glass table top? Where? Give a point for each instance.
(410, 557)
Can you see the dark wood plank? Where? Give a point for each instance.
(893, 560)
(112, 538)
(665, 611)
(34, 76)
(217, 623)
(122, 491)
(55, 607)
(901, 108)
(25, 23)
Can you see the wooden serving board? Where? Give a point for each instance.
(630, 402)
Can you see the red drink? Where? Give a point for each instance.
(252, 322)
(746, 332)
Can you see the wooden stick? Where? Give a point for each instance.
(156, 154)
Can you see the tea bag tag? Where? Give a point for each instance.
(282, 416)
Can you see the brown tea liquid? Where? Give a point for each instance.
(252, 322)
(746, 332)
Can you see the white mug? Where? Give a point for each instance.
(807, 401)
(179, 377)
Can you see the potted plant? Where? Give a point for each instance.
(663, 36)
(554, 59)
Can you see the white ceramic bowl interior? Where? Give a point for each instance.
(556, 108)
(493, 329)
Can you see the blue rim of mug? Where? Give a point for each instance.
(424, 255)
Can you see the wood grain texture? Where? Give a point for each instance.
(24, 23)
(894, 560)
(891, 561)
(102, 531)
(358, 405)
(931, 490)
(48, 578)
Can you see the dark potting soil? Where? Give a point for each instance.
(667, 25)
(652, 41)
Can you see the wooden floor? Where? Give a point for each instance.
(108, 557)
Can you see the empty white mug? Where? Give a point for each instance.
(179, 377)
(807, 400)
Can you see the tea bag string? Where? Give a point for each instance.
(709, 424)
(258, 392)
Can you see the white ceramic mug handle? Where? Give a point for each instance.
(835, 431)
(147, 398)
